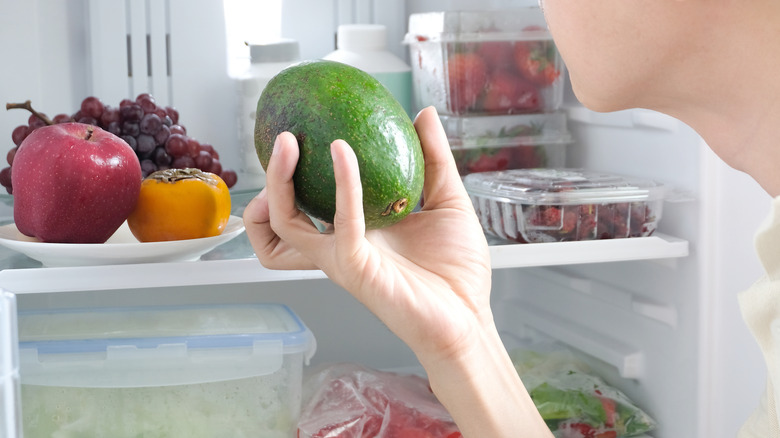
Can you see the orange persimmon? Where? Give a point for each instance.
(178, 204)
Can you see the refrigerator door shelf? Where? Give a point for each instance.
(603, 292)
(249, 270)
(628, 359)
(657, 246)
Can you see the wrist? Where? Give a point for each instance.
(481, 389)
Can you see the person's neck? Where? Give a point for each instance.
(733, 100)
(746, 137)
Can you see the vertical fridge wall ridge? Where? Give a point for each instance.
(175, 50)
(733, 374)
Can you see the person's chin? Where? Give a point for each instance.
(603, 99)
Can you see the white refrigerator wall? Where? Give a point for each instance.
(59, 52)
(669, 330)
(682, 313)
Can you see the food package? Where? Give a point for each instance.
(562, 204)
(492, 62)
(573, 402)
(492, 143)
(347, 400)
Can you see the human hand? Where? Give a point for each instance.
(427, 277)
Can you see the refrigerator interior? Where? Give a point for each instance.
(664, 327)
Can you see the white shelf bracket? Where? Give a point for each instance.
(627, 359)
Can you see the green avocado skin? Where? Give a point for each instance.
(321, 101)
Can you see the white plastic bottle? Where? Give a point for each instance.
(365, 46)
(266, 61)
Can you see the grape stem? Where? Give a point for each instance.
(28, 106)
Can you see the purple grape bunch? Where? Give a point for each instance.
(152, 131)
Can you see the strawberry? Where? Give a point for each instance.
(467, 77)
(489, 159)
(610, 409)
(570, 219)
(546, 216)
(413, 433)
(507, 93)
(527, 157)
(584, 430)
(579, 430)
(498, 55)
(535, 60)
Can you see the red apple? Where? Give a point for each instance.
(74, 183)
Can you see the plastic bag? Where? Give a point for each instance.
(574, 403)
(348, 400)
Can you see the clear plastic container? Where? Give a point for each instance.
(10, 404)
(556, 205)
(195, 371)
(365, 46)
(491, 143)
(484, 62)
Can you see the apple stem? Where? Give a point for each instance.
(90, 130)
(28, 106)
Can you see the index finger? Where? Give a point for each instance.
(442, 180)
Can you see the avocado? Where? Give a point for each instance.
(321, 101)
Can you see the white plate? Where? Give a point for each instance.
(121, 248)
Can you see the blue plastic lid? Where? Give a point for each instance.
(202, 326)
(161, 345)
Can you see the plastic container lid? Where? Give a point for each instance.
(285, 50)
(365, 46)
(561, 187)
(462, 26)
(158, 346)
(500, 130)
(361, 37)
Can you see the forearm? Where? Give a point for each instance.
(483, 393)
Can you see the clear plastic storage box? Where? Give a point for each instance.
(491, 143)
(484, 62)
(555, 205)
(10, 425)
(195, 371)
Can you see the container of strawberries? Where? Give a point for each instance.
(504, 142)
(558, 205)
(484, 62)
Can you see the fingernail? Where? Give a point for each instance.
(277, 142)
(333, 156)
(428, 108)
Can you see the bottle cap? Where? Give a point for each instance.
(284, 50)
(361, 37)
